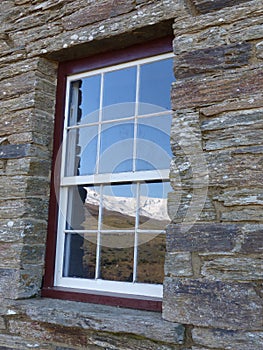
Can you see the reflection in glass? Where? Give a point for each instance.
(116, 264)
(90, 99)
(119, 87)
(155, 84)
(81, 151)
(74, 113)
(72, 151)
(91, 208)
(79, 257)
(119, 207)
(75, 209)
(116, 146)
(153, 143)
(89, 255)
(153, 213)
(151, 259)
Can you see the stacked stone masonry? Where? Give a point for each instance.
(213, 288)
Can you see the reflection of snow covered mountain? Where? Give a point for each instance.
(154, 208)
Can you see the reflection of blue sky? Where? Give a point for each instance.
(124, 190)
(88, 139)
(148, 190)
(153, 143)
(116, 147)
(120, 87)
(90, 101)
(118, 101)
(155, 83)
(116, 138)
(155, 189)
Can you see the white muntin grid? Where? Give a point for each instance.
(134, 177)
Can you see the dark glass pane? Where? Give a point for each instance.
(74, 110)
(155, 84)
(81, 151)
(153, 143)
(75, 215)
(151, 254)
(119, 207)
(79, 256)
(83, 208)
(119, 88)
(116, 147)
(72, 152)
(89, 255)
(90, 99)
(116, 264)
(91, 208)
(153, 213)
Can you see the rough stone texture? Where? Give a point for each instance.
(201, 237)
(250, 241)
(232, 268)
(101, 318)
(203, 91)
(212, 59)
(204, 6)
(227, 305)
(65, 324)
(221, 338)
(178, 264)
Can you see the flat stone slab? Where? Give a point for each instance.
(101, 318)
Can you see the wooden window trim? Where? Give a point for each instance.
(155, 47)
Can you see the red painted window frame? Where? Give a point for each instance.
(151, 48)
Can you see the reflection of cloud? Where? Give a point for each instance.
(152, 208)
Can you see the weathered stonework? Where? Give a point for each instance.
(214, 272)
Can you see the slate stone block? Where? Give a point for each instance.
(207, 237)
(228, 339)
(14, 151)
(216, 304)
(203, 91)
(206, 6)
(212, 59)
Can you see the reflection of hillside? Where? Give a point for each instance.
(117, 264)
(116, 220)
(116, 259)
(119, 212)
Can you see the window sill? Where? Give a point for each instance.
(146, 325)
(112, 299)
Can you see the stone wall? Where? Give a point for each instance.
(213, 285)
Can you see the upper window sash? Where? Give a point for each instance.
(137, 117)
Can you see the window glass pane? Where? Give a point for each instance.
(155, 84)
(150, 266)
(153, 213)
(91, 208)
(72, 151)
(74, 111)
(116, 147)
(75, 215)
(90, 99)
(153, 143)
(116, 264)
(89, 255)
(119, 207)
(119, 88)
(79, 256)
(81, 151)
(83, 208)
